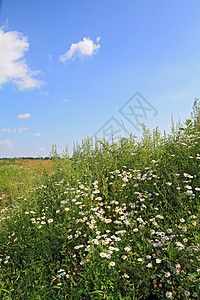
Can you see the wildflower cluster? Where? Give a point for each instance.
(127, 218)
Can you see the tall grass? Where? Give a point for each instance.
(117, 221)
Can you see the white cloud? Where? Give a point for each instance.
(13, 67)
(5, 130)
(37, 134)
(42, 149)
(24, 116)
(21, 129)
(8, 131)
(44, 93)
(65, 100)
(6, 144)
(180, 96)
(82, 49)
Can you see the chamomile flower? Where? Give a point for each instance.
(178, 266)
(102, 254)
(124, 257)
(127, 249)
(187, 293)
(168, 294)
(176, 272)
(195, 295)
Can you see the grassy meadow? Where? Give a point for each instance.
(116, 221)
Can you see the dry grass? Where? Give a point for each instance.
(17, 176)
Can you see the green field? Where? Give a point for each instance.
(116, 221)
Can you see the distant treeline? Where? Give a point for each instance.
(38, 158)
(28, 158)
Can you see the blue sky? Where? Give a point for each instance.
(68, 67)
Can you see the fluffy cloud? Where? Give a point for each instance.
(24, 116)
(6, 144)
(21, 129)
(6, 130)
(37, 134)
(180, 96)
(82, 49)
(41, 149)
(13, 67)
